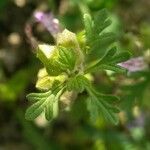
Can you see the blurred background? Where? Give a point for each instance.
(72, 131)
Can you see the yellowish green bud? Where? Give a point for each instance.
(45, 82)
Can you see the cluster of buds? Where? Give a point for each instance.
(50, 55)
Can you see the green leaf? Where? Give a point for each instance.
(98, 106)
(109, 61)
(121, 57)
(35, 110)
(101, 105)
(97, 68)
(100, 44)
(101, 20)
(97, 39)
(108, 55)
(109, 98)
(67, 58)
(114, 68)
(88, 26)
(55, 109)
(49, 110)
(93, 109)
(57, 59)
(44, 102)
(33, 97)
(77, 83)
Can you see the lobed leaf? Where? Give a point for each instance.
(101, 20)
(35, 110)
(33, 97)
(67, 58)
(77, 83)
(110, 61)
(108, 55)
(44, 102)
(98, 40)
(97, 106)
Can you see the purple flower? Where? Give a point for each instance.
(134, 64)
(137, 122)
(48, 21)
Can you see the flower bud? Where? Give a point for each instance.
(65, 57)
(45, 82)
(69, 39)
(48, 56)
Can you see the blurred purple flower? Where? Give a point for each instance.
(134, 64)
(137, 122)
(48, 21)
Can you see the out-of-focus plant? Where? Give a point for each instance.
(3, 4)
(137, 89)
(97, 4)
(11, 89)
(66, 68)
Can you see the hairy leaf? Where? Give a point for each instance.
(97, 39)
(67, 58)
(49, 109)
(77, 83)
(110, 61)
(44, 102)
(35, 110)
(98, 106)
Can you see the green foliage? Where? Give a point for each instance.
(102, 105)
(109, 61)
(10, 92)
(83, 118)
(98, 4)
(44, 102)
(61, 58)
(98, 105)
(67, 58)
(138, 91)
(77, 83)
(46, 82)
(97, 39)
(3, 4)
(74, 57)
